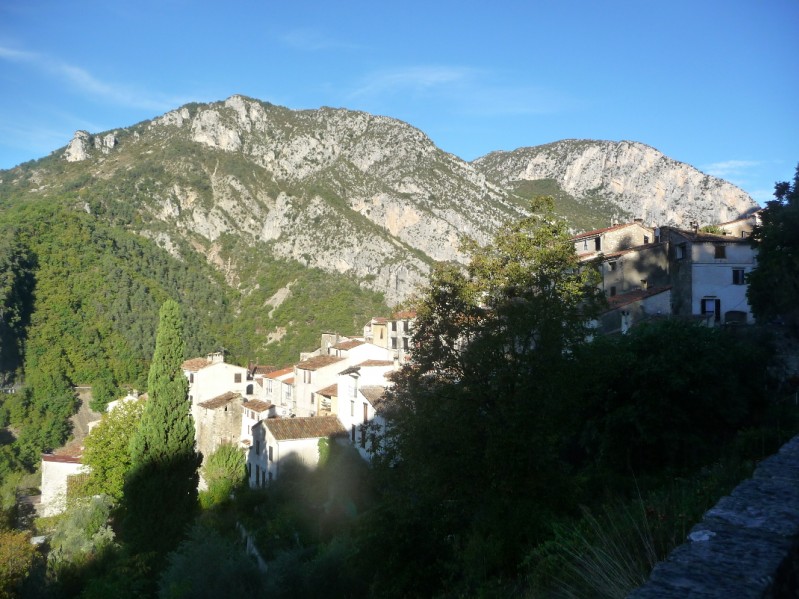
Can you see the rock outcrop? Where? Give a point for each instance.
(355, 193)
(635, 177)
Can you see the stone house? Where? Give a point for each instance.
(212, 376)
(633, 269)
(708, 275)
(217, 421)
(631, 308)
(290, 440)
(311, 375)
(612, 239)
(59, 471)
(279, 391)
(360, 390)
(400, 329)
(742, 227)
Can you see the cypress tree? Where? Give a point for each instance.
(161, 490)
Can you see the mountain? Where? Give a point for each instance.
(300, 221)
(619, 180)
(340, 190)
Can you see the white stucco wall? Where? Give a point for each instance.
(55, 470)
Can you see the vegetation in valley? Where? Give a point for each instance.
(521, 460)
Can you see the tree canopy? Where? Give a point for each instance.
(160, 492)
(774, 284)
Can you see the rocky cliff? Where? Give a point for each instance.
(350, 192)
(637, 179)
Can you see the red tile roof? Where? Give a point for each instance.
(256, 405)
(351, 343)
(318, 362)
(405, 314)
(219, 400)
(195, 364)
(368, 363)
(279, 373)
(596, 232)
(329, 391)
(313, 427)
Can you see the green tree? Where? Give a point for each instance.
(160, 493)
(224, 471)
(774, 284)
(17, 558)
(107, 449)
(81, 536)
(481, 401)
(208, 565)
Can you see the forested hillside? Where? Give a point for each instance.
(81, 300)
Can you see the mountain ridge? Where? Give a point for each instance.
(351, 192)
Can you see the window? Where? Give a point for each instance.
(646, 239)
(249, 390)
(744, 234)
(191, 377)
(612, 266)
(257, 447)
(737, 276)
(313, 398)
(269, 386)
(719, 252)
(271, 459)
(393, 343)
(644, 284)
(405, 343)
(394, 325)
(306, 376)
(585, 244)
(598, 244)
(237, 377)
(352, 433)
(363, 436)
(352, 408)
(681, 251)
(612, 291)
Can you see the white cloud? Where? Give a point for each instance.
(87, 84)
(731, 168)
(413, 79)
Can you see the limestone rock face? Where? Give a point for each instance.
(365, 195)
(78, 148)
(105, 143)
(637, 178)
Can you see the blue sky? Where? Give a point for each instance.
(711, 83)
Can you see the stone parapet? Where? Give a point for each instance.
(745, 546)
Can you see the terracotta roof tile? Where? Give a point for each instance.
(405, 314)
(313, 427)
(256, 405)
(281, 372)
(329, 391)
(219, 400)
(596, 232)
(349, 344)
(318, 362)
(195, 364)
(368, 363)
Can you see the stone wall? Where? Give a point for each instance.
(746, 546)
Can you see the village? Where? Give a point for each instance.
(277, 416)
